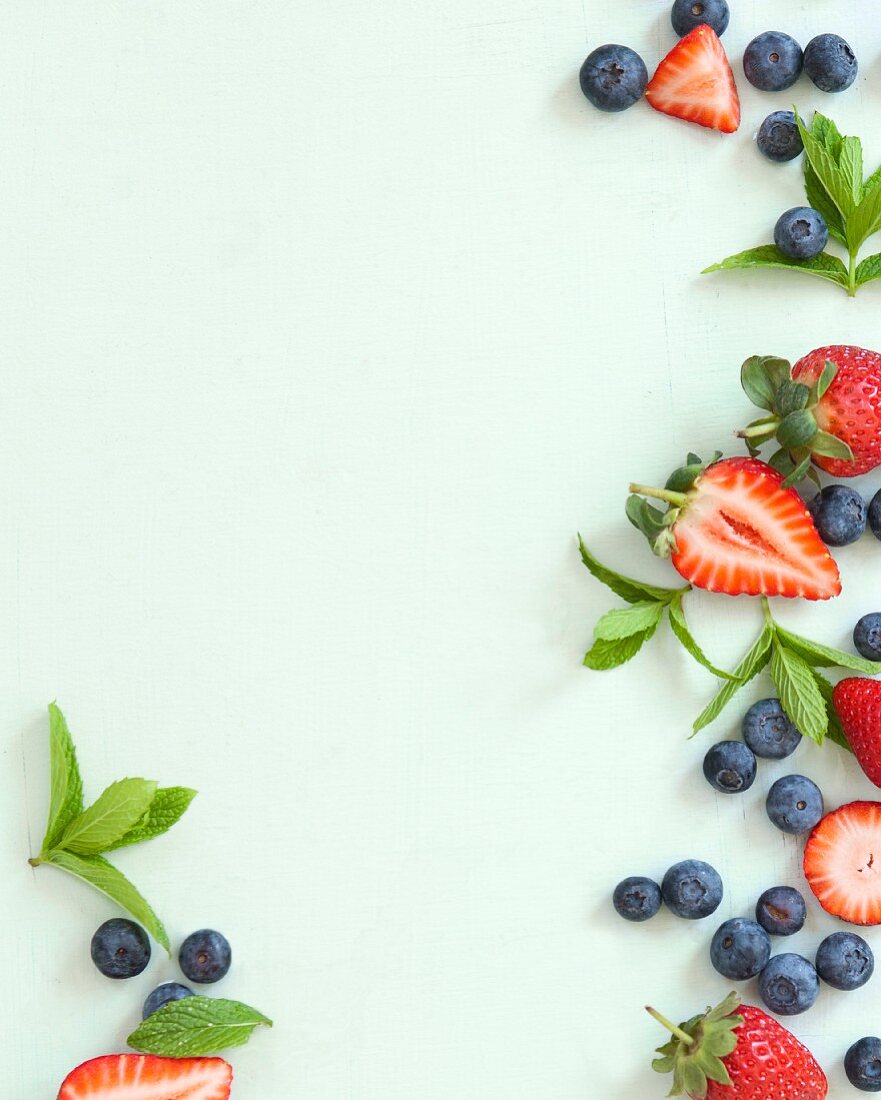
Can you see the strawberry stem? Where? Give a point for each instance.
(672, 1028)
(766, 429)
(678, 499)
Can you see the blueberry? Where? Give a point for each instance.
(688, 14)
(637, 898)
(162, 994)
(801, 233)
(781, 911)
(768, 731)
(794, 804)
(730, 767)
(772, 61)
(613, 77)
(692, 889)
(120, 948)
(867, 636)
(875, 515)
(789, 984)
(740, 949)
(779, 138)
(862, 1064)
(830, 63)
(205, 956)
(839, 514)
(845, 960)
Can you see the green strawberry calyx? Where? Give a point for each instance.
(791, 417)
(657, 525)
(697, 1048)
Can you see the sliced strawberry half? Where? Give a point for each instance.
(694, 82)
(857, 702)
(146, 1077)
(842, 862)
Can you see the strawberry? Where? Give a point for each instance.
(840, 862)
(733, 527)
(738, 1052)
(145, 1077)
(825, 409)
(857, 703)
(694, 82)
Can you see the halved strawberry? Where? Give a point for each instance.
(146, 1077)
(732, 527)
(842, 862)
(694, 82)
(857, 702)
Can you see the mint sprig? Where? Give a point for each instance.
(127, 812)
(851, 206)
(196, 1026)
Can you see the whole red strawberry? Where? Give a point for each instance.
(738, 1053)
(857, 703)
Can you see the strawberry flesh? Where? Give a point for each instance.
(146, 1077)
(842, 862)
(694, 82)
(857, 703)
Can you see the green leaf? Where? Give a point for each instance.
(604, 655)
(66, 784)
(824, 443)
(757, 383)
(799, 695)
(119, 808)
(825, 656)
(196, 1026)
(850, 163)
(797, 429)
(792, 397)
(827, 377)
(834, 181)
(865, 219)
(872, 181)
(798, 472)
(868, 269)
(824, 266)
(680, 628)
(645, 518)
(98, 872)
(166, 809)
(628, 589)
(834, 732)
(751, 665)
(636, 619)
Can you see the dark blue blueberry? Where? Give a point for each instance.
(875, 515)
(688, 14)
(839, 514)
(772, 61)
(162, 994)
(789, 984)
(120, 948)
(740, 949)
(613, 77)
(830, 63)
(867, 636)
(205, 956)
(637, 898)
(730, 767)
(692, 889)
(801, 233)
(845, 960)
(862, 1064)
(781, 911)
(778, 137)
(768, 731)
(794, 804)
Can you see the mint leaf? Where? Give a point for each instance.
(66, 784)
(819, 199)
(865, 220)
(196, 1026)
(798, 691)
(166, 809)
(850, 164)
(834, 732)
(97, 872)
(119, 808)
(825, 656)
(625, 587)
(828, 134)
(751, 665)
(825, 266)
(872, 182)
(636, 619)
(834, 181)
(868, 269)
(604, 654)
(680, 628)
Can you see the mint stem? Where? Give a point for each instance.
(766, 609)
(672, 1028)
(660, 494)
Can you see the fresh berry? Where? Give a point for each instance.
(205, 956)
(779, 138)
(862, 1064)
(733, 528)
(146, 1077)
(857, 702)
(839, 514)
(801, 233)
(768, 731)
(875, 515)
(830, 63)
(120, 948)
(845, 960)
(781, 911)
(730, 767)
(688, 14)
(613, 77)
(162, 995)
(694, 82)
(637, 898)
(773, 61)
(738, 1053)
(740, 949)
(789, 984)
(840, 862)
(867, 636)
(794, 804)
(692, 889)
